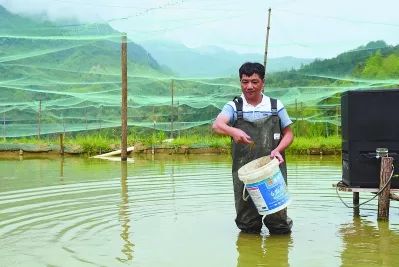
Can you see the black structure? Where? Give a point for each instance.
(369, 120)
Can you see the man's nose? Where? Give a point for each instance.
(250, 85)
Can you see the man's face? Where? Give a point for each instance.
(251, 87)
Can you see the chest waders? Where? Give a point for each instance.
(266, 135)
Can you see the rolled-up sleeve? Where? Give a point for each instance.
(228, 111)
(284, 118)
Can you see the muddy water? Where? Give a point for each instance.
(177, 211)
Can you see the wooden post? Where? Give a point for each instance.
(178, 119)
(153, 140)
(326, 127)
(383, 198)
(4, 126)
(356, 209)
(296, 116)
(86, 117)
(301, 118)
(267, 39)
(101, 117)
(337, 127)
(124, 98)
(61, 144)
(39, 118)
(171, 111)
(63, 123)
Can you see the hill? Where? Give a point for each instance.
(212, 61)
(73, 47)
(376, 60)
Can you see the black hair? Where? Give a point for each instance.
(249, 68)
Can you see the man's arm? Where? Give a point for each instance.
(221, 126)
(288, 137)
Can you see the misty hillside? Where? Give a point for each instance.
(211, 61)
(43, 46)
(347, 62)
(373, 63)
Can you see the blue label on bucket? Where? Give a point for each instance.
(269, 193)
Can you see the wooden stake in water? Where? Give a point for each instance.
(124, 99)
(383, 198)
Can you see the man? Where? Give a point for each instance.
(259, 126)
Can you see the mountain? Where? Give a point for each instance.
(211, 61)
(374, 64)
(66, 74)
(71, 47)
(346, 62)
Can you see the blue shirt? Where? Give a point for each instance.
(252, 113)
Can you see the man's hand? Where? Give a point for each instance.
(240, 137)
(276, 154)
(221, 126)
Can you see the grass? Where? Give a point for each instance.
(302, 145)
(96, 143)
(202, 141)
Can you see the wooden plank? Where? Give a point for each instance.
(113, 153)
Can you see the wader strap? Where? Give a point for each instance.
(273, 103)
(238, 102)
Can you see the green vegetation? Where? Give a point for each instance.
(319, 144)
(102, 142)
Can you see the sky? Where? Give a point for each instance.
(299, 28)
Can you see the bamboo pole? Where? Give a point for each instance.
(171, 109)
(301, 128)
(61, 143)
(383, 198)
(178, 119)
(337, 127)
(86, 117)
(39, 118)
(267, 38)
(124, 98)
(4, 126)
(101, 117)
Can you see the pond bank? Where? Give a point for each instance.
(16, 149)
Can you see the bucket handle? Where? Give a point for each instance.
(245, 197)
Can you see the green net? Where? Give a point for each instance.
(59, 79)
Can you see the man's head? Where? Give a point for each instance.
(252, 81)
(250, 68)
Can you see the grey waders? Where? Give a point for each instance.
(266, 135)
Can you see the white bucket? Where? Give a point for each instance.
(265, 184)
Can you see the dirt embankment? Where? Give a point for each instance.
(28, 149)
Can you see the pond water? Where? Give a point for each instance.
(178, 211)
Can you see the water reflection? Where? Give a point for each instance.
(127, 247)
(256, 250)
(62, 169)
(369, 245)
